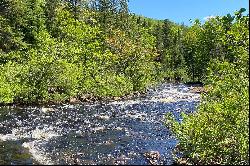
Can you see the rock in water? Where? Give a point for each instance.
(122, 160)
(45, 110)
(73, 100)
(96, 129)
(104, 117)
(152, 157)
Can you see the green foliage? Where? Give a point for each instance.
(219, 37)
(53, 51)
(9, 84)
(218, 133)
(56, 50)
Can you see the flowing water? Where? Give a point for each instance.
(116, 132)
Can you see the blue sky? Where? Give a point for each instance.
(183, 10)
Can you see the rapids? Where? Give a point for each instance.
(116, 132)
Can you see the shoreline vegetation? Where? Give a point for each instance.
(197, 87)
(54, 50)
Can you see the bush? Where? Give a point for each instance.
(10, 85)
(218, 133)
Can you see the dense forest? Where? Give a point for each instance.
(54, 51)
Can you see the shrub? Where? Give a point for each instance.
(218, 133)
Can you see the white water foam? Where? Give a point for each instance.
(7, 137)
(40, 136)
(125, 103)
(169, 95)
(36, 153)
(165, 95)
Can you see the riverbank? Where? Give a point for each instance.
(87, 98)
(90, 98)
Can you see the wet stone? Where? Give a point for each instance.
(122, 160)
(11, 152)
(152, 157)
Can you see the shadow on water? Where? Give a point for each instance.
(118, 132)
(12, 153)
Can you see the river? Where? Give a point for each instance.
(115, 132)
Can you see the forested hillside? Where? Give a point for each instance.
(57, 50)
(54, 50)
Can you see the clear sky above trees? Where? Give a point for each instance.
(183, 10)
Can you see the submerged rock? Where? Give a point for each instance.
(119, 128)
(12, 153)
(96, 129)
(137, 116)
(122, 160)
(103, 117)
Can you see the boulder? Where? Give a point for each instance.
(152, 157)
(45, 110)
